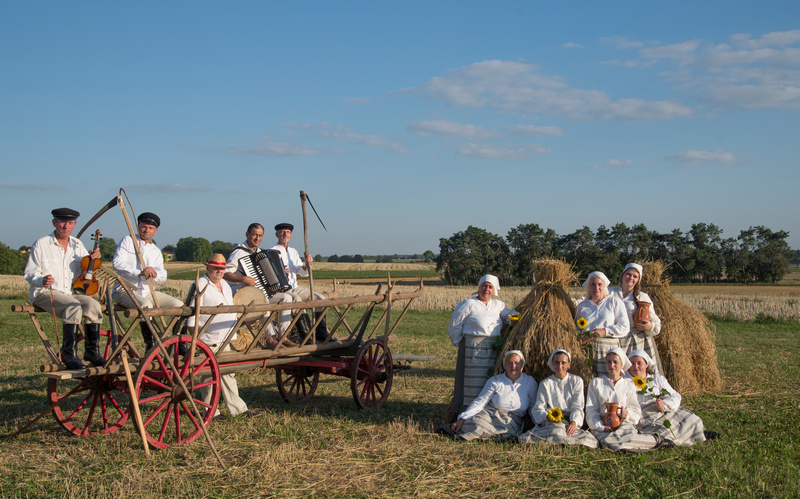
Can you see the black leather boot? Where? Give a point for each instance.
(303, 325)
(321, 332)
(149, 342)
(91, 343)
(68, 357)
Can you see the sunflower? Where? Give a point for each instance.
(554, 415)
(513, 317)
(582, 323)
(639, 382)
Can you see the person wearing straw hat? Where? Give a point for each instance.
(473, 326)
(53, 264)
(498, 411)
(642, 334)
(685, 427)
(558, 409)
(613, 387)
(295, 266)
(127, 265)
(605, 317)
(216, 291)
(236, 277)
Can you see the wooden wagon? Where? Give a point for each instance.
(163, 387)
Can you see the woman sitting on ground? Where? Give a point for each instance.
(558, 410)
(686, 428)
(498, 411)
(615, 388)
(605, 317)
(472, 328)
(642, 334)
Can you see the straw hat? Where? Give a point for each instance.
(217, 261)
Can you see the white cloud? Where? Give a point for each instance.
(683, 52)
(616, 162)
(513, 87)
(572, 45)
(282, 149)
(698, 157)
(32, 187)
(357, 100)
(622, 42)
(533, 131)
(448, 129)
(297, 126)
(366, 140)
(775, 38)
(476, 151)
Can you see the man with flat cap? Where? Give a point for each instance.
(127, 265)
(53, 265)
(295, 266)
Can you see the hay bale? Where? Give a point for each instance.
(547, 322)
(686, 343)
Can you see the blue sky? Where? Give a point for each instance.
(404, 122)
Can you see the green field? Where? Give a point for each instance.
(329, 448)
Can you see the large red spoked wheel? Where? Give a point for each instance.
(165, 408)
(296, 384)
(371, 374)
(90, 405)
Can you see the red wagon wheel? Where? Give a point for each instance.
(98, 404)
(296, 384)
(166, 411)
(371, 374)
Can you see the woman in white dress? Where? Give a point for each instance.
(605, 316)
(562, 393)
(615, 388)
(642, 334)
(498, 411)
(475, 323)
(686, 428)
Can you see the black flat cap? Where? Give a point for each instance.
(149, 219)
(65, 214)
(284, 226)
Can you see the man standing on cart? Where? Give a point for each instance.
(53, 265)
(215, 291)
(126, 263)
(294, 266)
(237, 278)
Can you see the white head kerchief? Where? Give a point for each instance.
(642, 354)
(634, 266)
(599, 274)
(514, 352)
(626, 364)
(492, 280)
(557, 351)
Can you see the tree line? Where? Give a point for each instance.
(757, 254)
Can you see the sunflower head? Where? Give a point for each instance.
(639, 382)
(554, 415)
(582, 323)
(513, 317)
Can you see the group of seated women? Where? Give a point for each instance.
(617, 414)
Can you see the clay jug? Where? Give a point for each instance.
(642, 312)
(612, 419)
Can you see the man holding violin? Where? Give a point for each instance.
(53, 265)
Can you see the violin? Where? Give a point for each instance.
(86, 283)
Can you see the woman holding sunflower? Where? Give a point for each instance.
(498, 411)
(602, 320)
(615, 388)
(642, 333)
(661, 411)
(558, 410)
(475, 323)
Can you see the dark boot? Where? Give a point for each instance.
(68, 357)
(149, 342)
(303, 325)
(91, 343)
(321, 332)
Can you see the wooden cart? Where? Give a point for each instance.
(168, 380)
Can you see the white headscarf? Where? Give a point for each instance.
(596, 273)
(492, 280)
(634, 266)
(626, 364)
(514, 352)
(642, 354)
(557, 351)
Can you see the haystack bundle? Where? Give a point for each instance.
(547, 322)
(686, 343)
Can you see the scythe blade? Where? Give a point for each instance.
(99, 214)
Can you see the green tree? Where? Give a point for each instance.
(707, 253)
(580, 249)
(192, 249)
(429, 256)
(333, 258)
(107, 247)
(358, 259)
(528, 242)
(11, 261)
(467, 255)
(222, 247)
(772, 254)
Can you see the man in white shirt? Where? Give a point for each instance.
(126, 263)
(294, 266)
(53, 265)
(236, 277)
(216, 291)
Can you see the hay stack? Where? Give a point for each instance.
(547, 322)
(686, 343)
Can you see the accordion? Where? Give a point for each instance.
(267, 269)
